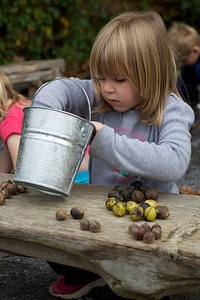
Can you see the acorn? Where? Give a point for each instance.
(115, 194)
(84, 224)
(136, 214)
(136, 183)
(162, 212)
(21, 188)
(143, 188)
(156, 225)
(130, 205)
(119, 209)
(136, 231)
(150, 213)
(110, 202)
(146, 227)
(126, 195)
(151, 194)
(6, 193)
(2, 199)
(157, 231)
(144, 205)
(12, 188)
(149, 237)
(131, 188)
(137, 196)
(95, 226)
(151, 202)
(118, 188)
(77, 212)
(130, 227)
(61, 215)
(4, 184)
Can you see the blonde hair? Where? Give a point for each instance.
(182, 38)
(7, 91)
(134, 45)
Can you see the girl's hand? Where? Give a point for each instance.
(97, 125)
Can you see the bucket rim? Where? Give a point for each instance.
(59, 111)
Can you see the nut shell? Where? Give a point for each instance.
(61, 215)
(137, 196)
(149, 237)
(12, 188)
(6, 193)
(151, 194)
(136, 214)
(136, 231)
(146, 227)
(95, 226)
(84, 224)
(150, 213)
(119, 208)
(21, 188)
(158, 232)
(77, 212)
(2, 199)
(115, 194)
(162, 212)
(110, 202)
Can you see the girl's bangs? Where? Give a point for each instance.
(109, 63)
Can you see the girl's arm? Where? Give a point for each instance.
(162, 155)
(5, 161)
(67, 95)
(13, 146)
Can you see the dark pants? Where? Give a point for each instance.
(72, 275)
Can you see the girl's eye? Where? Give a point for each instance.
(120, 79)
(101, 79)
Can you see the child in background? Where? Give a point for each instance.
(185, 41)
(12, 104)
(142, 124)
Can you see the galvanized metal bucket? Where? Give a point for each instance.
(51, 149)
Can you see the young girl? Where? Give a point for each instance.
(11, 117)
(142, 124)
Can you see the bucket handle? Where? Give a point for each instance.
(86, 95)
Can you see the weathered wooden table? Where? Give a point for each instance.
(131, 268)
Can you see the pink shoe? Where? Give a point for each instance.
(60, 289)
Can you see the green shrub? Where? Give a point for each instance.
(35, 29)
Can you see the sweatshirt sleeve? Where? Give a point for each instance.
(165, 158)
(67, 94)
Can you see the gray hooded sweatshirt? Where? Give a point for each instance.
(125, 149)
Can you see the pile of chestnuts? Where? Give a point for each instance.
(136, 200)
(8, 189)
(145, 232)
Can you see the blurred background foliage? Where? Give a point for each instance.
(35, 29)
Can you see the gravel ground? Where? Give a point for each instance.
(25, 278)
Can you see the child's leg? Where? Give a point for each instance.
(72, 275)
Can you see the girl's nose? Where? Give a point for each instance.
(108, 86)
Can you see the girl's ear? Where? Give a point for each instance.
(196, 49)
